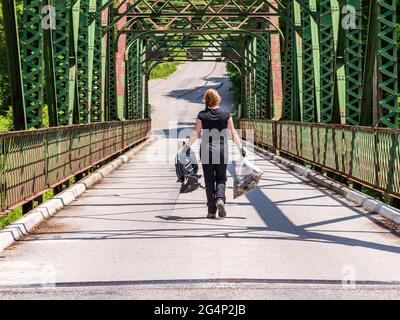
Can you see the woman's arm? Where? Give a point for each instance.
(234, 134)
(195, 134)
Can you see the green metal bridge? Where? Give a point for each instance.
(329, 62)
(318, 85)
(327, 66)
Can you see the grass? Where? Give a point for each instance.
(5, 123)
(164, 70)
(10, 218)
(18, 212)
(6, 120)
(14, 215)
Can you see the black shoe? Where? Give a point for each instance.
(212, 212)
(211, 215)
(221, 208)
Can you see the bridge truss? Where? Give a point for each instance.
(333, 61)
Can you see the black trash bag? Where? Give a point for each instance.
(246, 177)
(187, 167)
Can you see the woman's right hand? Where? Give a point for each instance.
(186, 150)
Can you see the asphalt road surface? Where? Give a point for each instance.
(177, 100)
(134, 235)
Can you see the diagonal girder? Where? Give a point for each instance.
(86, 70)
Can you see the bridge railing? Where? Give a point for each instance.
(369, 156)
(33, 162)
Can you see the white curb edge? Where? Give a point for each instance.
(361, 199)
(31, 220)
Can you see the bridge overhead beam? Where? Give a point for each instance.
(339, 59)
(179, 47)
(168, 46)
(208, 14)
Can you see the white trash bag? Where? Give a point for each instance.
(246, 178)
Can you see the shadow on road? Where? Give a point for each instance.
(195, 95)
(274, 219)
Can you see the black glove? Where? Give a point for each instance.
(243, 152)
(186, 150)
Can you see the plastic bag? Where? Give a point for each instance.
(186, 167)
(186, 164)
(246, 177)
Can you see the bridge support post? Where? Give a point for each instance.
(395, 202)
(58, 189)
(120, 63)
(299, 56)
(50, 75)
(387, 63)
(27, 207)
(276, 62)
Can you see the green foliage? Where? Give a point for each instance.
(164, 70)
(4, 79)
(6, 121)
(4, 124)
(10, 218)
(7, 124)
(45, 116)
(398, 33)
(398, 44)
(17, 213)
(5, 100)
(236, 81)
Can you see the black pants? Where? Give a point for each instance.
(215, 179)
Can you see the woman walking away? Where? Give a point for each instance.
(216, 126)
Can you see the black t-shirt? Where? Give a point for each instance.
(214, 135)
(214, 119)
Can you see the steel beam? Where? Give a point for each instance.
(309, 89)
(332, 74)
(276, 62)
(354, 62)
(51, 85)
(299, 55)
(327, 52)
(61, 46)
(387, 63)
(32, 55)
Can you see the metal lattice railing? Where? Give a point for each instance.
(31, 162)
(365, 155)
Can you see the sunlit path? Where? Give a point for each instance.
(135, 226)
